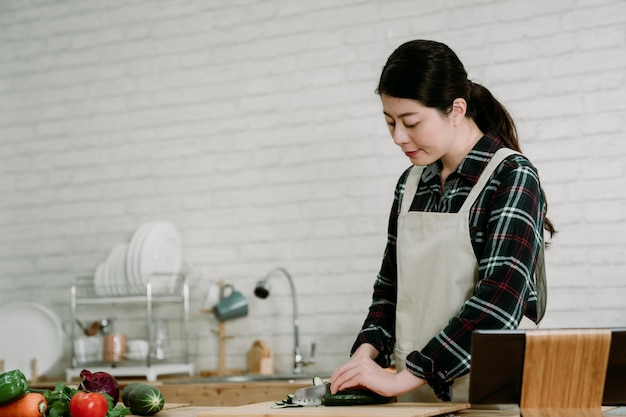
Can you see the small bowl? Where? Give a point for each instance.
(137, 349)
(88, 348)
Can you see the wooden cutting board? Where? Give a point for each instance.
(387, 410)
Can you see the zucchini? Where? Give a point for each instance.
(13, 386)
(142, 399)
(354, 397)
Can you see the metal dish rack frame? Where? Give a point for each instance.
(83, 293)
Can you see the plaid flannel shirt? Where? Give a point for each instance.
(506, 229)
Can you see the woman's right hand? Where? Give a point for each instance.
(344, 376)
(361, 371)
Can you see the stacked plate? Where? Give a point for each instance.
(154, 254)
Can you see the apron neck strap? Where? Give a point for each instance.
(496, 159)
(410, 188)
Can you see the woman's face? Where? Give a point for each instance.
(423, 133)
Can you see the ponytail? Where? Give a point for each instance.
(489, 114)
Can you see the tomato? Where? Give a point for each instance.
(88, 404)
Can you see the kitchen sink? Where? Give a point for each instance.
(244, 378)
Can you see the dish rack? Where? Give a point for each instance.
(173, 304)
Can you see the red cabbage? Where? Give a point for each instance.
(100, 382)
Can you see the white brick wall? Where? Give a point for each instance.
(253, 125)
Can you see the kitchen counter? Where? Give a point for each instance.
(186, 410)
(183, 410)
(230, 393)
(206, 399)
(195, 392)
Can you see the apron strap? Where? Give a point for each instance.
(410, 188)
(540, 283)
(496, 159)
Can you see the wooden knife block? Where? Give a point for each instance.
(564, 372)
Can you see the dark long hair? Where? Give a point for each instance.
(431, 73)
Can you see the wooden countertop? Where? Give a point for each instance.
(185, 410)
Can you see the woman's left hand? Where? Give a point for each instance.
(362, 372)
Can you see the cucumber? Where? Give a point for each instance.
(13, 386)
(317, 380)
(142, 399)
(354, 397)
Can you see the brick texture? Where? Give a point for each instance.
(254, 127)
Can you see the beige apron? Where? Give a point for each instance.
(437, 272)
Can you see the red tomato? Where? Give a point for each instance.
(88, 404)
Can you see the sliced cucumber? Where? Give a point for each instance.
(317, 380)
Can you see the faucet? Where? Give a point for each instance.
(262, 290)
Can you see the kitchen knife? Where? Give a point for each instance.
(311, 395)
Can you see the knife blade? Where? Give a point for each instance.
(311, 395)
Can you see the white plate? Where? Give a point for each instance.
(97, 277)
(133, 258)
(100, 277)
(117, 270)
(161, 256)
(30, 331)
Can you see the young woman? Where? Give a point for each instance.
(465, 242)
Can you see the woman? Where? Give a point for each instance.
(465, 232)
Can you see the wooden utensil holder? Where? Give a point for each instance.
(564, 372)
(222, 336)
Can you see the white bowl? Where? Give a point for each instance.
(137, 349)
(88, 348)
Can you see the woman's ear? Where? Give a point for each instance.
(459, 109)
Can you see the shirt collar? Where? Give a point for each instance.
(472, 165)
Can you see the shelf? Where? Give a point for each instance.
(84, 293)
(128, 299)
(151, 373)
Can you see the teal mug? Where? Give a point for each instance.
(231, 305)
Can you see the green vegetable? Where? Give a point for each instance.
(59, 402)
(354, 397)
(317, 380)
(142, 399)
(13, 386)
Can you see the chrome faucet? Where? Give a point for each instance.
(262, 290)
